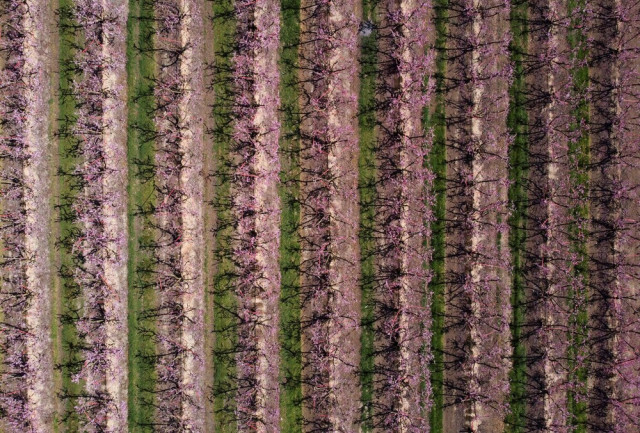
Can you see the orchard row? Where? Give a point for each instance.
(320, 216)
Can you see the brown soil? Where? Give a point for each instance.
(116, 221)
(192, 217)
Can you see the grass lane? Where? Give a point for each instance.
(517, 123)
(367, 189)
(579, 161)
(225, 320)
(140, 67)
(291, 356)
(68, 359)
(435, 118)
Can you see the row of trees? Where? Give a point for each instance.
(478, 265)
(402, 215)
(579, 283)
(26, 392)
(255, 164)
(555, 283)
(329, 266)
(613, 344)
(579, 175)
(178, 246)
(99, 243)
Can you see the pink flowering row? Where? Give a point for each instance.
(552, 270)
(478, 265)
(579, 263)
(26, 398)
(178, 219)
(329, 268)
(402, 391)
(612, 354)
(256, 213)
(100, 245)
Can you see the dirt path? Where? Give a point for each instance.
(114, 184)
(192, 216)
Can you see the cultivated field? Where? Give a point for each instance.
(320, 216)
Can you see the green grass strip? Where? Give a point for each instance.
(367, 189)
(579, 157)
(225, 321)
(291, 355)
(518, 158)
(69, 357)
(435, 118)
(140, 67)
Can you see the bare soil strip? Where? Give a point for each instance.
(192, 215)
(114, 184)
